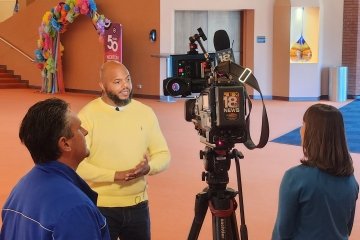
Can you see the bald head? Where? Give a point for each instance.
(109, 68)
(115, 83)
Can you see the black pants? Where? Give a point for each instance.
(128, 223)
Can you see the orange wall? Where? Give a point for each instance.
(21, 30)
(83, 53)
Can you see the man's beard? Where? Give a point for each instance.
(119, 102)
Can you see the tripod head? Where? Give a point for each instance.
(217, 162)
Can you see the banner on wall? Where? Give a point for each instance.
(113, 42)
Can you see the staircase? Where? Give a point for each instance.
(9, 80)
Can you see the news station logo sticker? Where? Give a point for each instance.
(231, 105)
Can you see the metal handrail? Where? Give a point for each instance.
(15, 48)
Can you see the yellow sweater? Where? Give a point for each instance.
(118, 141)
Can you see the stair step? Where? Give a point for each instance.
(5, 74)
(9, 80)
(6, 71)
(13, 85)
(10, 77)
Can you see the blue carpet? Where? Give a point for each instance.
(351, 115)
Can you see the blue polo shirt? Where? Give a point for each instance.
(52, 202)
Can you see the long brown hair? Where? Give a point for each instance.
(324, 142)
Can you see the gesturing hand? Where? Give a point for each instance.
(140, 170)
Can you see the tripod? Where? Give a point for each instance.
(218, 198)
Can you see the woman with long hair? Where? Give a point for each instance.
(317, 198)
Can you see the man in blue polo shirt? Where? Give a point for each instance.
(52, 201)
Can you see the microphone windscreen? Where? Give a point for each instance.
(221, 40)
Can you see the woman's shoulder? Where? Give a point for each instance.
(309, 173)
(302, 168)
(302, 171)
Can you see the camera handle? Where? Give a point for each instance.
(222, 204)
(197, 38)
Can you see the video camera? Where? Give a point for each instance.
(189, 74)
(221, 115)
(221, 111)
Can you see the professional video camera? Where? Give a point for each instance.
(188, 74)
(220, 113)
(189, 71)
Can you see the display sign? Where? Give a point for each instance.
(113, 42)
(260, 39)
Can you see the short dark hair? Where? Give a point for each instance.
(41, 128)
(324, 143)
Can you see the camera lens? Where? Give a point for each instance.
(175, 87)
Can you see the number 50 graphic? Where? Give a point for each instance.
(113, 42)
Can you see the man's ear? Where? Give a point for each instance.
(64, 144)
(101, 84)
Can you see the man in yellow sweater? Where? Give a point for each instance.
(126, 144)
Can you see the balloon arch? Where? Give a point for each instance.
(49, 49)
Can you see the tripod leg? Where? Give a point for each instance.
(223, 229)
(201, 206)
(224, 222)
